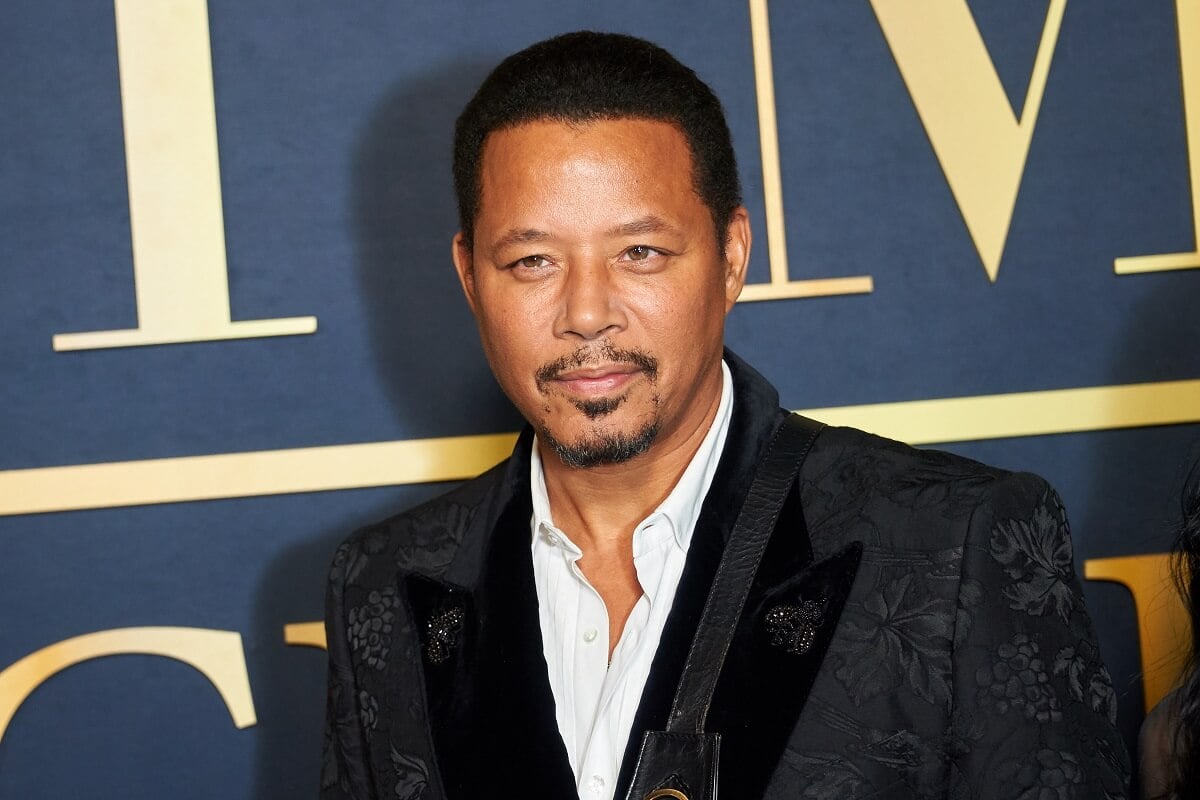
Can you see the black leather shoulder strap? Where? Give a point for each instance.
(743, 552)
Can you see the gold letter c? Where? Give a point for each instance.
(218, 655)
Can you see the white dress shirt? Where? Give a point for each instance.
(595, 701)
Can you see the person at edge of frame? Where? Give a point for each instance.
(915, 629)
(1169, 743)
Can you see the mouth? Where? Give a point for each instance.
(590, 374)
(595, 381)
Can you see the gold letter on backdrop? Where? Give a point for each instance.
(175, 214)
(1162, 619)
(305, 634)
(978, 139)
(1187, 13)
(780, 286)
(216, 654)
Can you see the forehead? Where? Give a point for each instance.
(576, 134)
(590, 168)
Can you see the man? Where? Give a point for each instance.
(915, 628)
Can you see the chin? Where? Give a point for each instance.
(602, 447)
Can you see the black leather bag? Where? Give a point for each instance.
(682, 762)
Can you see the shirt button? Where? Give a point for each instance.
(552, 539)
(589, 635)
(596, 784)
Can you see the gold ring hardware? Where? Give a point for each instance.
(663, 794)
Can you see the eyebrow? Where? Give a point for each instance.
(646, 224)
(520, 236)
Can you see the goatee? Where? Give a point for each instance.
(603, 448)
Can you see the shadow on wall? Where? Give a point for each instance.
(424, 338)
(289, 682)
(427, 353)
(1133, 505)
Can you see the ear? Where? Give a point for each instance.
(464, 265)
(737, 255)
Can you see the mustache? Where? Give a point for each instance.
(604, 353)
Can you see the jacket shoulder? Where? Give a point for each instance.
(423, 539)
(858, 486)
(841, 454)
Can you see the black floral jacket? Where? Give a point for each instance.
(916, 630)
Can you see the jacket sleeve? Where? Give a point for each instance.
(1034, 710)
(345, 774)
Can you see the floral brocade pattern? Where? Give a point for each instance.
(1047, 775)
(965, 665)
(376, 743)
(899, 636)
(1036, 555)
(1088, 680)
(412, 776)
(370, 627)
(1017, 680)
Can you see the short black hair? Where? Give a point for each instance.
(588, 76)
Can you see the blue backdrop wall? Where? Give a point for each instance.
(975, 226)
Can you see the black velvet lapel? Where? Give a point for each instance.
(491, 709)
(770, 669)
(445, 660)
(760, 693)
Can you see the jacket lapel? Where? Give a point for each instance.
(777, 651)
(763, 687)
(776, 654)
(488, 698)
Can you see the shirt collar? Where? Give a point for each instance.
(681, 507)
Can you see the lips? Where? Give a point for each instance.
(596, 371)
(594, 381)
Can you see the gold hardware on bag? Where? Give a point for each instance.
(662, 794)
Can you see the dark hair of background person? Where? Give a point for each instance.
(1185, 566)
(587, 77)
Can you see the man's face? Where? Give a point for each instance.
(598, 285)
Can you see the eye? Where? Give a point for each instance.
(531, 262)
(641, 252)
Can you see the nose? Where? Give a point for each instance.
(590, 304)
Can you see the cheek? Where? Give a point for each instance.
(510, 346)
(683, 316)
(509, 310)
